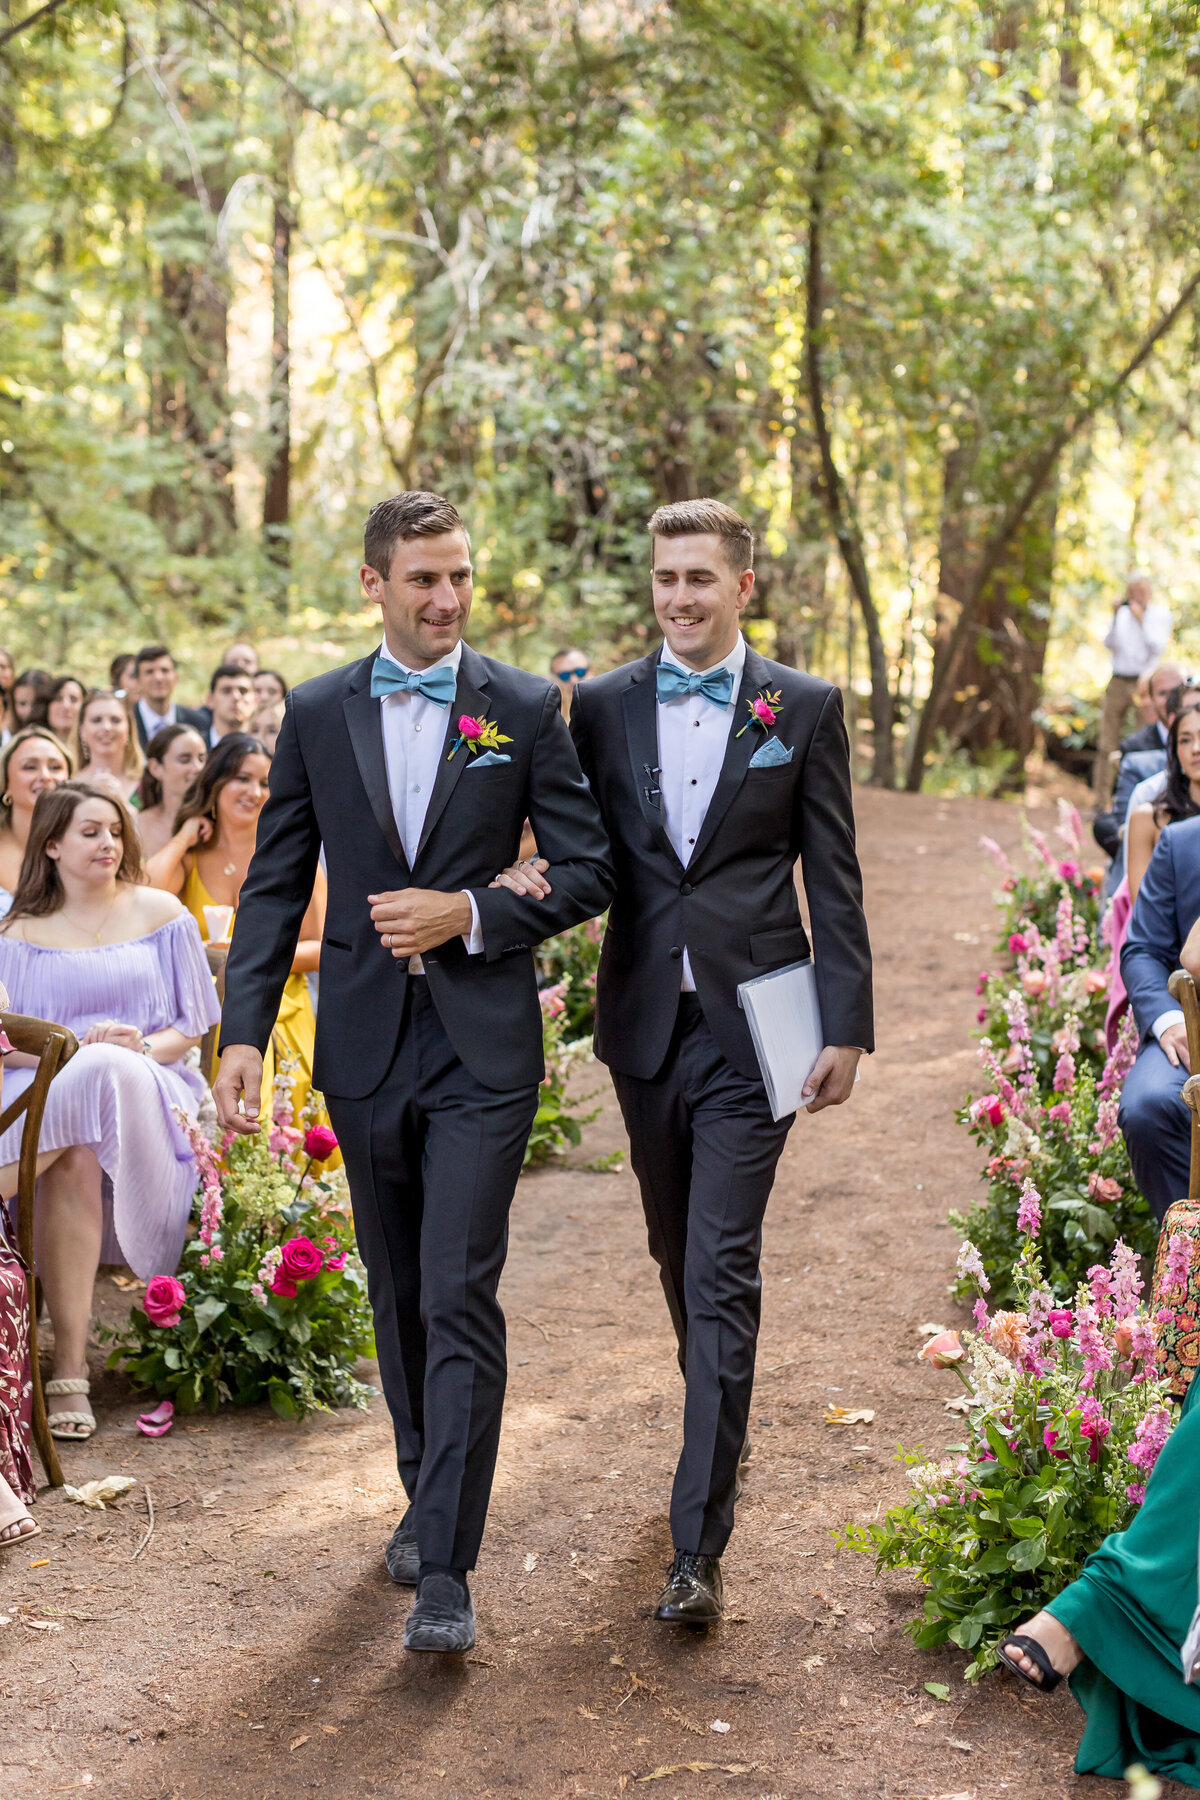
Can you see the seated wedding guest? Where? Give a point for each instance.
(265, 725)
(1116, 1632)
(122, 676)
(105, 745)
(1150, 743)
(205, 863)
(156, 680)
(18, 1486)
(1152, 1116)
(8, 674)
(30, 762)
(122, 965)
(230, 701)
(241, 654)
(270, 689)
(60, 707)
(1180, 797)
(31, 687)
(175, 756)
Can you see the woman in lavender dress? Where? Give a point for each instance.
(120, 963)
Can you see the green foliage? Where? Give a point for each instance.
(574, 957)
(559, 1121)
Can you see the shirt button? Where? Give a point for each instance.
(416, 728)
(416, 787)
(693, 781)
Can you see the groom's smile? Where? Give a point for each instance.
(424, 595)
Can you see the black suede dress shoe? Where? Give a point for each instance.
(442, 1617)
(403, 1562)
(692, 1595)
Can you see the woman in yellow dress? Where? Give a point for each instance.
(205, 862)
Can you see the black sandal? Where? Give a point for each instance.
(1036, 1654)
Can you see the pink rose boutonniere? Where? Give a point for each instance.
(765, 708)
(477, 735)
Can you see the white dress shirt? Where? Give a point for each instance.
(693, 733)
(155, 721)
(414, 736)
(1137, 644)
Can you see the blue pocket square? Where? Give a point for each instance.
(771, 755)
(489, 759)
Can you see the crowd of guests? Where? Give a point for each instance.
(127, 824)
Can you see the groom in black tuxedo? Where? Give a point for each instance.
(415, 769)
(716, 772)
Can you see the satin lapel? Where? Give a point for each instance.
(469, 697)
(366, 735)
(640, 705)
(738, 751)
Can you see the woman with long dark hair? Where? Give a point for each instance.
(60, 708)
(89, 944)
(205, 863)
(29, 691)
(175, 756)
(30, 762)
(1180, 799)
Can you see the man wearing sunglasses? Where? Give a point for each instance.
(569, 668)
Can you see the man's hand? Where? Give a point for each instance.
(239, 1078)
(526, 877)
(418, 919)
(832, 1078)
(1175, 1046)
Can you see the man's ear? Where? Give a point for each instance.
(745, 588)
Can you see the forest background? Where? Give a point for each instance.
(916, 286)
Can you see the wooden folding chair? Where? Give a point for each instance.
(1183, 992)
(53, 1045)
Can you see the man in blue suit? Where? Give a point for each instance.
(1153, 1117)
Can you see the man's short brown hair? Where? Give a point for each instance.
(685, 518)
(404, 516)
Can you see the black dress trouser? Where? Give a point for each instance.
(704, 1148)
(432, 1158)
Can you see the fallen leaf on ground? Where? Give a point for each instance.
(211, 1499)
(932, 1330)
(95, 1494)
(617, 1661)
(813, 1662)
(332, 1730)
(718, 1725)
(129, 1283)
(43, 1562)
(938, 1689)
(698, 1768)
(41, 1624)
(957, 1744)
(848, 1415)
(959, 1403)
(296, 1742)
(588, 1713)
(530, 1563)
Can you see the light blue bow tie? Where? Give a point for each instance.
(716, 686)
(388, 677)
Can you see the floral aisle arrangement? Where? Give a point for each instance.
(1067, 1142)
(574, 956)
(1065, 1419)
(559, 1120)
(270, 1301)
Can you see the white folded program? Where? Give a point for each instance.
(784, 1016)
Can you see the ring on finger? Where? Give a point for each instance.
(387, 940)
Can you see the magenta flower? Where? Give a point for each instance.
(301, 1260)
(1149, 1439)
(1061, 1321)
(1069, 871)
(1178, 1269)
(763, 712)
(320, 1142)
(1029, 1211)
(1097, 1357)
(980, 1312)
(165, 1300)
(1136, 1492)
(1100, 1281)
(1094, 1426)
(1018, 943)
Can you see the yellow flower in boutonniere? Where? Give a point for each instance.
(765, 708)
(477, 734)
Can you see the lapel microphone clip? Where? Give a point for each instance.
(652, 793)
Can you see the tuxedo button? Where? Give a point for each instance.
(676, 952)
(685, 888)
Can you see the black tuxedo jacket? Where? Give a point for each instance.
(329, 787)
(200, 721)
(734, 906)
(1146, 738)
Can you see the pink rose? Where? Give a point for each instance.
(1096, 981)
(1061, 1321)
(165, 1300)
(1050, 1438)
(301, 1259)
(1018, 943)
(470, 728)
(762, 711)
(1103, 1189)
(281, 1285)
(1034, 982)
(336, 1262)
(1069, 871)
(319, 1142)
(981, 1015)
(943, 1351)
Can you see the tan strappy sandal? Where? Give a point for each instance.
(12, 1512)
(69, 1384)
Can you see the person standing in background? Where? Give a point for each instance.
(122, 676)
(231, 702)
(242, 654)
(1137, 637)
(156, 678)
(569, 668)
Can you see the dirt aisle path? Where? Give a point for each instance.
(254, 1649)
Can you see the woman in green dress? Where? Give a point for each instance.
(1116, 1633)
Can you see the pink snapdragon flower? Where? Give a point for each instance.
(1136, 1491)
(970, 1266)
(1094, 1426)
(1178, 1270)
(997, 855)
(1149, 1439)
(1029, 1211)
(1127, 1279)
(989, 1108)
(1097, 1357)
(1069, 871)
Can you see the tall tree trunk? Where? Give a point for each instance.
(276, 497)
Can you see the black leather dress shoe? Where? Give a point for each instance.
(403, 1562)
(693, 1594)
(442, 1617)
(747, 1451)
